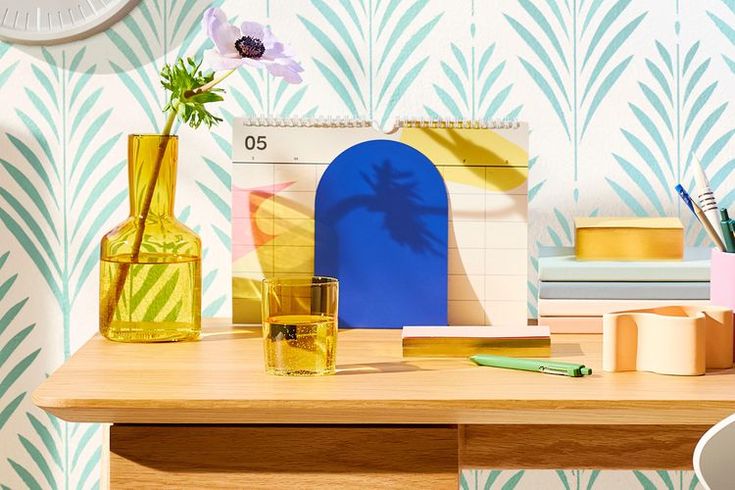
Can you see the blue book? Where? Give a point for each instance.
(560, 264)
(623, 290)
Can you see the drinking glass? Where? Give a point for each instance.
(300, 325)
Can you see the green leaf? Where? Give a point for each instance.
(490, 80)
(642, 183)
(455, 81)
(338, 86)
(612, 48)
(51, 62)
(698, 105)
(35, 163)
(77, 59)
(10, 315)
(222, 175)
(660, 78)
(334, 20)
(40, 461)
(37, 135)
(92, 463)
(403, 56)
(47, 439)
(459, 56)
(33, 226)
(43, 110)
(293, 102)
(491, 477)
(81, 83)
(627, 198)
(690, 56)
(653, 131)
(93, 196)
(5, 287)
(604, 89)
(181, 79)
(696, 76)
(387, 15)
(161, 298)
(497, 101)
(14, 343)
(402, 24)
(25, 475)
(548, 92)
(485, 58)
(135, 90)
(219, 203)
(17, 371)
(84, 144)
(46, 84)
(542, 55)
(546, 28)
(607, 21)
(658, 106)
(594, 7)
(10, 408)
(401, 88)
(665, 56)
(334, 52)
(31, 250)
(450, 105)
(350, 9)
(512, 482)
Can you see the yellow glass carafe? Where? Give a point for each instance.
(150, 264)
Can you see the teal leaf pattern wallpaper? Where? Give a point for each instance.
(620, 96)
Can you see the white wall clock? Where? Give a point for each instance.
(57, 21)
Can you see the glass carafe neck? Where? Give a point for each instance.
(152, 173)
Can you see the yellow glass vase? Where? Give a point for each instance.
(150, 264)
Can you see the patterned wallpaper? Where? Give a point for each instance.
(618, 95)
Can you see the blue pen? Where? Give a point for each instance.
(685, 197)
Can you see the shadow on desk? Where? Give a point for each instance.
(232, 334)
(395, 367)
(566, 349)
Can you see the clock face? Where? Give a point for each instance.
(56, 21)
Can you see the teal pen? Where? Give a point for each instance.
(539, 366)
(726, 226)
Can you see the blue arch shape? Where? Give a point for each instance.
(381, 227)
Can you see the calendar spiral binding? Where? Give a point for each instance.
(345, 122)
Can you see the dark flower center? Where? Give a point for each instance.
(250, 47)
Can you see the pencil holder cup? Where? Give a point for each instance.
(722, 281)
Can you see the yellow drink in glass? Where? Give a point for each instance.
(300, 325)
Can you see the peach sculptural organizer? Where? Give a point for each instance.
(683, 340)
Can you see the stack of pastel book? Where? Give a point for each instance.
(645, 265)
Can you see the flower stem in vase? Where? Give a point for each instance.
(122, 275)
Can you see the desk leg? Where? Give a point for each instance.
(199, 456)
(578, 446)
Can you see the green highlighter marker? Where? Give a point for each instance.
(547, 367)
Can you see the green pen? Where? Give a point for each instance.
(540, 366)
(726, 226)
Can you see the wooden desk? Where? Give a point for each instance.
(204, 413)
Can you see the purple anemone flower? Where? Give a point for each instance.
(251, 44)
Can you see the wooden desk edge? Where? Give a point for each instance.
(398, 412)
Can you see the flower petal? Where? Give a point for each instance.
(220, 31)
(252, 29)
(214, 60)
(284, 71)
(253, 62)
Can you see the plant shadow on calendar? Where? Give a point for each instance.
(385, 220)
(381, 228)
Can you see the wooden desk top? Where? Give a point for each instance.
(221, 380)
